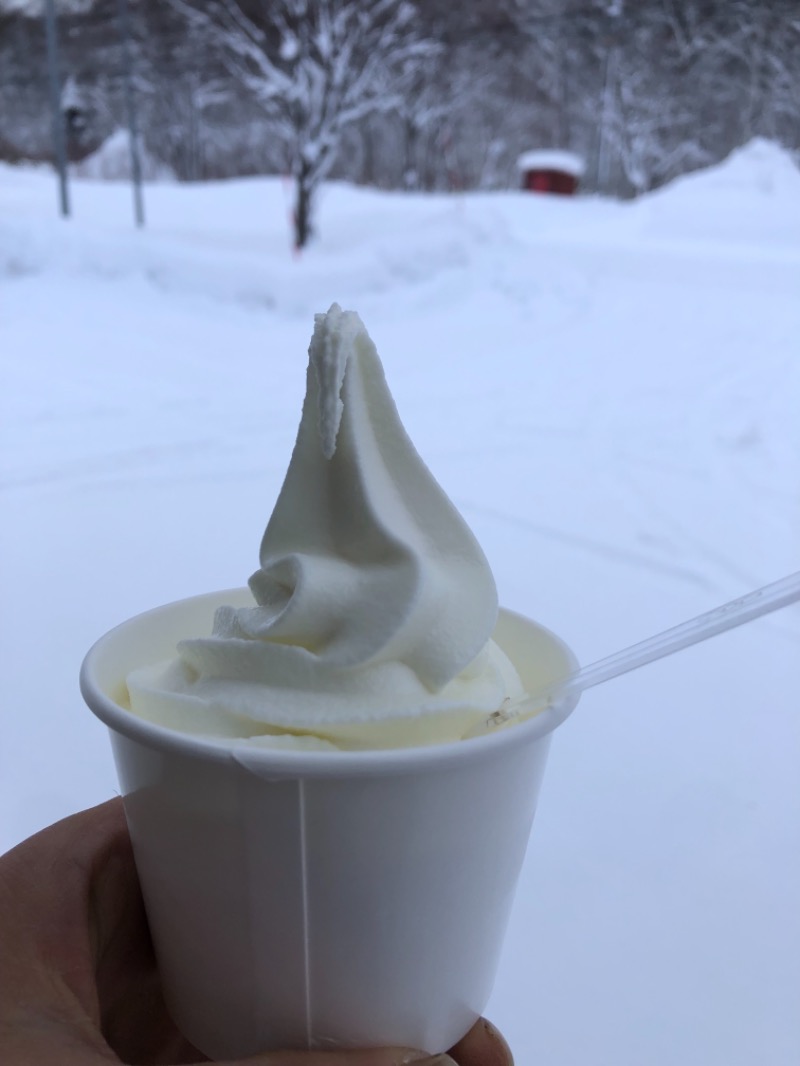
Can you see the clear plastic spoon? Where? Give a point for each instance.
(728, 616)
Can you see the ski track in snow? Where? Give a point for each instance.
(596, 547)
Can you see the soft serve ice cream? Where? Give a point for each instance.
(374, 605)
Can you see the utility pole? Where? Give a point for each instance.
(130, 104)
(59, 138)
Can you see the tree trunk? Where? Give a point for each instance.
(302, 209)
(410, 172)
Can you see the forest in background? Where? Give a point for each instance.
(414, 95)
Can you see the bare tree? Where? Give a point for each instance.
(316, 67)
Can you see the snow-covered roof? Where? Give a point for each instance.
(552, 159)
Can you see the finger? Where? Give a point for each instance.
(483, 1045)
(44, 885)
(48, 1008)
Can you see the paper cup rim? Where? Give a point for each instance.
(289, 763)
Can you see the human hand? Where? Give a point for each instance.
(79, 984)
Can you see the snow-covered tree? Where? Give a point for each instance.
(316, 67)
(642, 89)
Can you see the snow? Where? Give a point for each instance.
(552, 159)
(609, 392)
(290, 48)
(112, 162)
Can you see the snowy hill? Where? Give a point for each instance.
(609, 393)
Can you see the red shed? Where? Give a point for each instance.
(554, 171)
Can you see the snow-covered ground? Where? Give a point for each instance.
(609, 393)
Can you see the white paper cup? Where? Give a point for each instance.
(322, 899)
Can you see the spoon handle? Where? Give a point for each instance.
(718, 620)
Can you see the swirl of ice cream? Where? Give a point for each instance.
(374, 604)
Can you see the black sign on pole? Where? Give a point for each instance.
(130, 103)
(59, 137)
